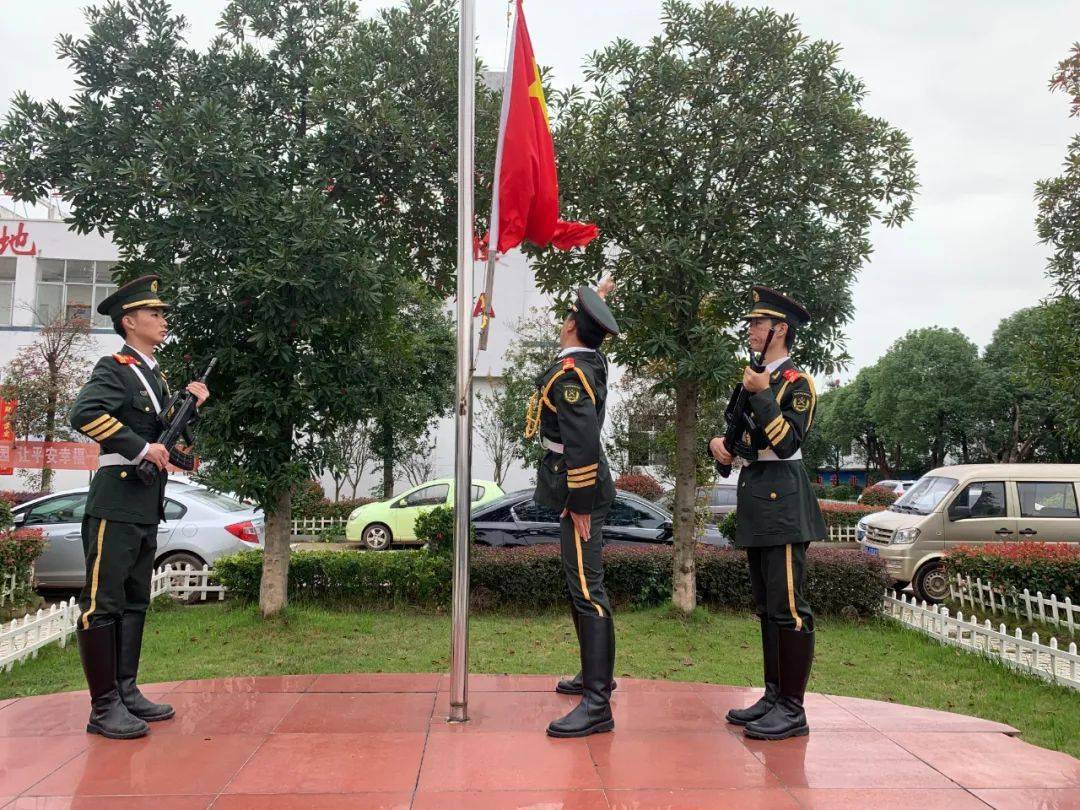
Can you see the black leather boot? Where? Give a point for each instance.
(787, 718)
(593, 714)
(129, 633)
(770, 653)
(572, 686)
(108, 715)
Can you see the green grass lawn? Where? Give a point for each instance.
(875, 659)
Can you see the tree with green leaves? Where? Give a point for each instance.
(1024, 419)
(1058, 218)
(240, 175)
(730, 149)
(413, 366)
(928, 392)
(532, 350)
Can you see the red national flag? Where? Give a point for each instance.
(526, 199)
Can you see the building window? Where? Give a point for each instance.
(7, 289)
(72, 288)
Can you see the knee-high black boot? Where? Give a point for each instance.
(770, 653)
(572, 686)
(593, 714)
(108, 715)
(129, 633)
(787, 718)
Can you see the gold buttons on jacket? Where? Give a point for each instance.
(147, 408)
(123, 473)
(772, 495)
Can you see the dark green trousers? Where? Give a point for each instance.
(119, 566)
(583, 565)
(776, 579)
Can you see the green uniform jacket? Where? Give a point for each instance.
(573, 392)
(776, 504)
(114, 410)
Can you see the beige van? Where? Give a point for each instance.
(970, 504)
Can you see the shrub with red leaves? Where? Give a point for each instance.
(1052, 568)
(644, 486)
(878, 496)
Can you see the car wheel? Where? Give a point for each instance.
(376, 537)
(178, 561)
(932, 583)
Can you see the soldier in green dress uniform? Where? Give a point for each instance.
(567, 412)
(778, 516)
(119, 409)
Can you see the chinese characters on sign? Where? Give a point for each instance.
(16, 243)
(56, 455)
(7, 428)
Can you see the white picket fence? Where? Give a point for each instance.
(841, 534)
(317, 525)
(1022, 605)
(1012, 650)
(24, 637)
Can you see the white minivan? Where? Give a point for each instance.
(970, 504)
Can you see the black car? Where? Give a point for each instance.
(517, 520)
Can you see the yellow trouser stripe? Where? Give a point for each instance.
(791, 589)
(91, 425)
(103, 436)
(580, 484)
(581, 573)
(94, 577)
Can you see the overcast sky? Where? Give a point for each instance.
(966, 80)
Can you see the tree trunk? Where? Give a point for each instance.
(50, 429)
(274, 588)
(388, 459)
(683, 579)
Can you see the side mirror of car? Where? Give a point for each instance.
(958, 512)
(19, 519)
(668, 528)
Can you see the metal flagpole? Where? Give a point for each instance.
(459, 646)
(493, 227)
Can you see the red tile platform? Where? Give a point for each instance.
(381, 741)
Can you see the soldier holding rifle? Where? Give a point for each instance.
(778, 514)
(120, 408)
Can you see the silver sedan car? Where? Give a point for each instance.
(200, 525)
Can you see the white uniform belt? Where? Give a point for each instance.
(554, 447)
(769, 455)
(114, 460)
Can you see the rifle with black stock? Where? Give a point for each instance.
(739, 417)
(182, 406)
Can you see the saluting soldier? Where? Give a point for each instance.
(119, 409)
(778, 516)
(567, 411)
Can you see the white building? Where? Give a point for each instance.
(45, 268)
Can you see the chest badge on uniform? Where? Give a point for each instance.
(571, 394)
(800, 401)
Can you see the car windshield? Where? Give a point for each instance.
(925, 495)
(223, 503)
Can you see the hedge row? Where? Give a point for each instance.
(644, 486)
(1053, 568)
(18, 550)
(14, 497)
(838, 581)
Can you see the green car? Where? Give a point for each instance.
(378, 525)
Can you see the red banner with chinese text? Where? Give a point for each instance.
(7, 428)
